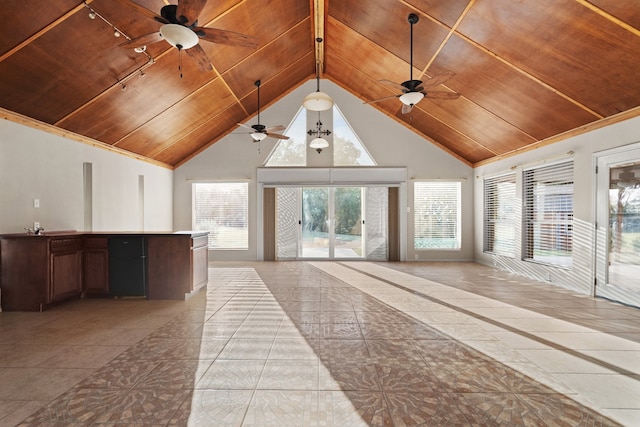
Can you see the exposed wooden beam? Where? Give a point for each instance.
(319, 16)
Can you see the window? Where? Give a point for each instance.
(221, 208)
(292, 151)
(436, 215)
(548, 214)
(500, 215)
(348, 150)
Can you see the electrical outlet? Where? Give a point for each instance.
(36, 225)
(36, 203)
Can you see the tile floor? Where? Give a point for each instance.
(328, 344)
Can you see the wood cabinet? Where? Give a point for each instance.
(38, 271)
(177, 265)
(96, 266)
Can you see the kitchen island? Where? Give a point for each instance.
(38, 271)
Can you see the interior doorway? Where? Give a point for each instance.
(339, 222)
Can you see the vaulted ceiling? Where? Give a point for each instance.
(529, 72)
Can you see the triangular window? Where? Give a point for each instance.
(348, 150)
(292, 151)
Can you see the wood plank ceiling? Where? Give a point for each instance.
(529, 72)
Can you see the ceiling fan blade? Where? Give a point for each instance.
(245, 126)
(275, 128)
(231, 38)
(145, 40)
(189, 10)
(277, 136)
(438, 79)
(406, 108)
(437, 94)
(396, 86)
(196, 52)
(382, 99)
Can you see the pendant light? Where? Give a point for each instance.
(319, 143)
(317, 101)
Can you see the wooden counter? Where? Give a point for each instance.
(39, 271)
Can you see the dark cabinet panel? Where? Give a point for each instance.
(96, 266)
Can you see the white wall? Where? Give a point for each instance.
(38, 165)
(584, 147)
(389, 143)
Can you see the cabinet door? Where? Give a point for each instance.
(66, 269)
(200, 267)
(96, 266)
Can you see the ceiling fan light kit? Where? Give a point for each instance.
(179, 36)
(258, 136)
(413, 91)
(180, 29)
(411, 98)
(260, 131)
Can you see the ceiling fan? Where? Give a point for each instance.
(412, 91)
(260, 132)
(180, 29)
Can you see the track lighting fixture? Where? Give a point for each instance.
(118, 33)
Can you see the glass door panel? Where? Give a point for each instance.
(288, 212)
(348, 222)
(624, 226)
(315, 223)
(377, 223)
(618, 231)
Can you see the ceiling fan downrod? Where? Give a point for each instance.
(257, 83)
(413, 19)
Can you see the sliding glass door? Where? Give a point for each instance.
(315, 229)
(329, 223)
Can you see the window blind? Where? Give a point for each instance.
(436, 214)
(221, 208)
(548, 214)
(500, 215)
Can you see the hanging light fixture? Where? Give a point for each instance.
(319, 143)
(411, 98)
(317, 101)
(258, 136)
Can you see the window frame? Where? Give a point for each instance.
(500, 209)
(547, 193)
(418, 210)
(241, 244)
